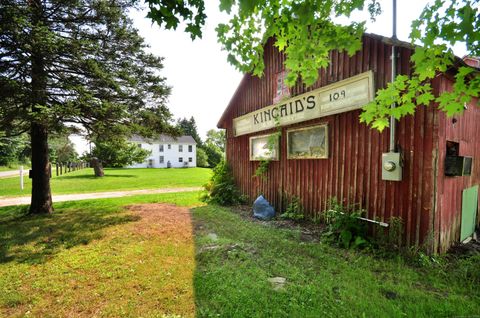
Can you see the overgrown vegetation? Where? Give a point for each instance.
(321, 280)
(221, 188)
(294, 210)
(344, 226)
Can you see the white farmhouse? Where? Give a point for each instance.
(167, 151)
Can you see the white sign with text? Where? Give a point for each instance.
(346, 95)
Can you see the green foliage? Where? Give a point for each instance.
(443, 23)
(188, 127)
(202, 158)
(294, 210)
(305, 31)
(272, 145)
(170, 12)
(221, 188)
(215, 155)
(344, 226)
(61, 149)
(217, 138)
(119, 153)
(94, 65)
(14, 149)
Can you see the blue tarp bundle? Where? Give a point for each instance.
(262, 209)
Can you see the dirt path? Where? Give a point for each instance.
(6, 201)
(11, 173)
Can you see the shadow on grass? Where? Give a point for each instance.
(34, 239)
(106, 176)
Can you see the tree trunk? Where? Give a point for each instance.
(41, 193)
(41, 201)
(97, 167)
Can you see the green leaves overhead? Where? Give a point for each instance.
(441, 24)
(168, 13)
(304, 30)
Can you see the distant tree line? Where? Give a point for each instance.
(16, 150)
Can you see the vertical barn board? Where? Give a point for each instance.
(465, 130)
(352, 171)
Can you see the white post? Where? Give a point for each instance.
(21, 177)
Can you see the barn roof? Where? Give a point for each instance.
(164, 139)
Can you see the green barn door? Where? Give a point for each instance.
(469, 211)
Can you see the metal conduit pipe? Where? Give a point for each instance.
(394, 62)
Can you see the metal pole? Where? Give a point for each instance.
(394, 62)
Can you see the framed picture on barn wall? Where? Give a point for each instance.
(264, 147)
(308, 143)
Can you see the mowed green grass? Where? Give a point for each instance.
(84, 181)
(98, 258)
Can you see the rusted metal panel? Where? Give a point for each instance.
(352, 171)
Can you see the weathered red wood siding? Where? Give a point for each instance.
(464, 129)
(352, 172)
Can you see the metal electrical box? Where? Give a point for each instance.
(392, 166)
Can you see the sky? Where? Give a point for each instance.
(201, 79)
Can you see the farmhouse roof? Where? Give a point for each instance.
(164, 139)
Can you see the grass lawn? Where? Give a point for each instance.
(83, 181)
(98, 258)
(231, 277)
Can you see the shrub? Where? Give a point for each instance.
(221, 188)
(294, 210)
(202, 158)
(344, 226)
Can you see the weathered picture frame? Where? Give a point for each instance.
(259, 147)
(308, 142)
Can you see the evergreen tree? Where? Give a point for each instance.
(81, 62)
(188, 127)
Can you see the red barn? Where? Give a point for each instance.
(325, 152)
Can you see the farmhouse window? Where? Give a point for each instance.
(180, 159)
(161, 159)
(190, 148)
(190, 159)
(169, 147)
(180, 148)
(160, 148)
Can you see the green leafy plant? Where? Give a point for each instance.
(344, 226)
(221, 188)
(294, 210)
(272, 145)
